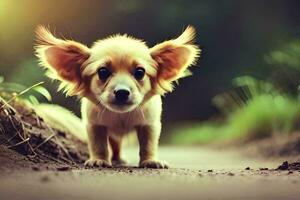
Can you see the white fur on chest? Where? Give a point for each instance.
(122, 123)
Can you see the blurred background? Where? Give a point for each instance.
(244, 86)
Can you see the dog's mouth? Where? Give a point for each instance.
(121, 103)
(120, 107)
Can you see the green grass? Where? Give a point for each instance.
(10, 91)
(260, 117)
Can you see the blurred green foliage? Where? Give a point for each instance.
(262, 116)
(287, 56)
(253, 108)
(10, 91)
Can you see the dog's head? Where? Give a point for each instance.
(120, 72)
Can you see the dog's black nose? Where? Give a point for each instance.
(121, 96)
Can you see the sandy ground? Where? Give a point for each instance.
(195, 173)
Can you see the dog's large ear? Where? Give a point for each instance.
(63, 59)
(173, 57)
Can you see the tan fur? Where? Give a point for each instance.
(105, 122)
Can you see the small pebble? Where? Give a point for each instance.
(63, 168)
(230, 174)
(210, 170)
(263, 168)
(35, 168)
(247, 168)
(45, 179)
(284, 166)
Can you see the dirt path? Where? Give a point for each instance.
(196, 173)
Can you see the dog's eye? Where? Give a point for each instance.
(139, 73)
(103, 73)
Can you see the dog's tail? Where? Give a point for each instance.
(62, 119)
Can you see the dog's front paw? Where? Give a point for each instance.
(97, 163)
(154, 164)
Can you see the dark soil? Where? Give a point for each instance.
(27, 142)
(277, 146)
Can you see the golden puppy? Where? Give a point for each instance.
(121, 81)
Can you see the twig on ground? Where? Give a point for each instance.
(19, 143)
(61, 145)
(46, 140)
(65, 150)
(52, 158)
(5, 103)
(19, 129)
(12, 121)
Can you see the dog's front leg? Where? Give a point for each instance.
(148, 137)
(98, 146)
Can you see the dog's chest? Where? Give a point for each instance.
(122, 123)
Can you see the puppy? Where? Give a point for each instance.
(120, 81)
